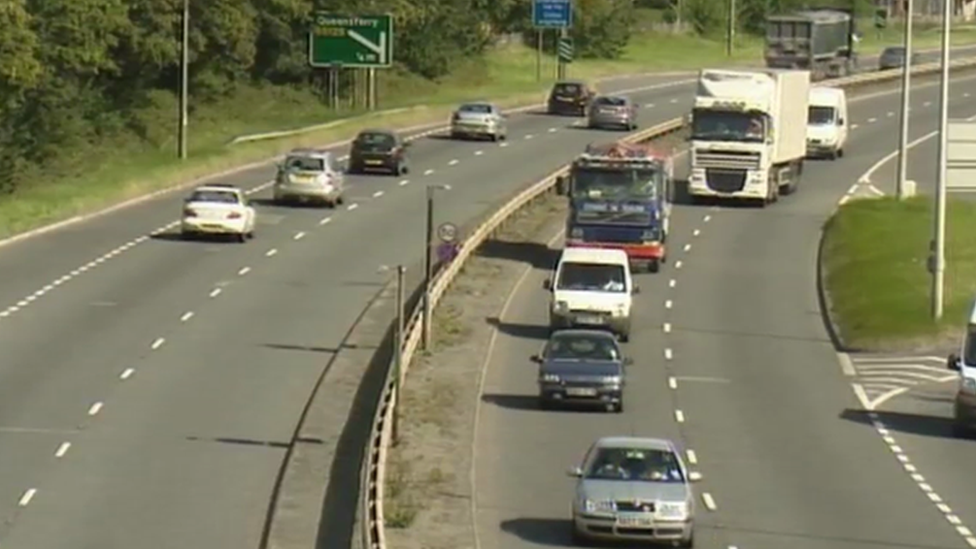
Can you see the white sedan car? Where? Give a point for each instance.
(217, 210)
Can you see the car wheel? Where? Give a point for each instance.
(503, 137)
(686, 543)
(186, 235)
(241, 237)
(624, 337)
(340, 200)
(840, 153)
(960, 431)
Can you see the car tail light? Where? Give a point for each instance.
(189, 212)
(234, 215)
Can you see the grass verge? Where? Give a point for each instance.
(129, 167)
(428, 490)
(874, 258)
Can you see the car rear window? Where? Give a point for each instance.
(611, 101)
(222, 197)
(305, 163)
(383, 139)
(481, 109)
(567, 89)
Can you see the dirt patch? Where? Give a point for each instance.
(428, 491)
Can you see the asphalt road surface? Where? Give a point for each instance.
(148, 385)
(733, 362)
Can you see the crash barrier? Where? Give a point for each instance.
(373, 470)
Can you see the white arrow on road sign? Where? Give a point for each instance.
(378, 49)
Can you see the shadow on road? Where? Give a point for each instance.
(538, 255)
(523, 331)
(540, 531)
(915, 424)
(512, 402)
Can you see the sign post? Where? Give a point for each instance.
(552, 14)
(339, 41)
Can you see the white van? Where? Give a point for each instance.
(964, 408)
(827, 123)
(593, 288)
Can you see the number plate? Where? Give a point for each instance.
(631, 522)
(589, 319)
(374, 162)
(580, 391)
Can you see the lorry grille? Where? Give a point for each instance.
(725, 181)
(727, 159)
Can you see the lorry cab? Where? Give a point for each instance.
(964, 363)
(827, 125)
(592, 288)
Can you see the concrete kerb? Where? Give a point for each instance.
(414, 132)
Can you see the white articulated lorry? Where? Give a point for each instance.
(748, 137)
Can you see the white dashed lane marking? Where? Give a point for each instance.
(352, 207)
(679, 416)
(452, 162)
(668, 355)
(95, 408)
(271, 252)
(709, 501)
(428, 172)
(127, 374)
(186, 316)
(667, 327)
(327, 220)
(479, 153)
(672, 382)
(62, 449)
(668, 304)
(920, 480)
(27, 497)
(243, 271)
(692, 457)
(299, 235)
(215, 292)
(377, 194)
(157, 343)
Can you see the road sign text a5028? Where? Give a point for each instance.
(351, 41)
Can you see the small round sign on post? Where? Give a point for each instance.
(447, 232)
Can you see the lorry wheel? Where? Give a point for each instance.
(840, 153)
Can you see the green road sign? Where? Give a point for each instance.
(364, 41)
(565, 49)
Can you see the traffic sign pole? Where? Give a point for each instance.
(552, 14)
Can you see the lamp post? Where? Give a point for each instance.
(905, 91)
(938, 263)
(398, 341)
(429, 261)
(184, 77)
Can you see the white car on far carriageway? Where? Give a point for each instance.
(217, 209)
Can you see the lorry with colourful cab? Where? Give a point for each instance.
(748, 134)
(620, 198)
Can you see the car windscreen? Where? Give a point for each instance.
(305, 164)
(591, 277)
(582, 347)
(221, 197)
(820, 116)
(634, 464)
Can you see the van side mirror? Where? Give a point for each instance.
(547, 284)
(840, 121)
(635, 290)
(536, 358)
(953, 363)
(574, 472)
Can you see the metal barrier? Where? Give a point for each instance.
(374, 473)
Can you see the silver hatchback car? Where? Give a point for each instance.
(479, 120)
(612, 111)
(310, 175)
(634, 490)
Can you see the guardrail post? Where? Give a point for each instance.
(398, 355)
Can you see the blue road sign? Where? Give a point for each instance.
(552, 14)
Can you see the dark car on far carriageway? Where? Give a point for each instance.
(570, 97)
(379, 150)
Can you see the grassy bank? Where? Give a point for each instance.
(130, 166)
(875, 261)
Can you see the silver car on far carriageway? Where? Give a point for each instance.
(479, 120)
(613, 111)
(634, 490)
